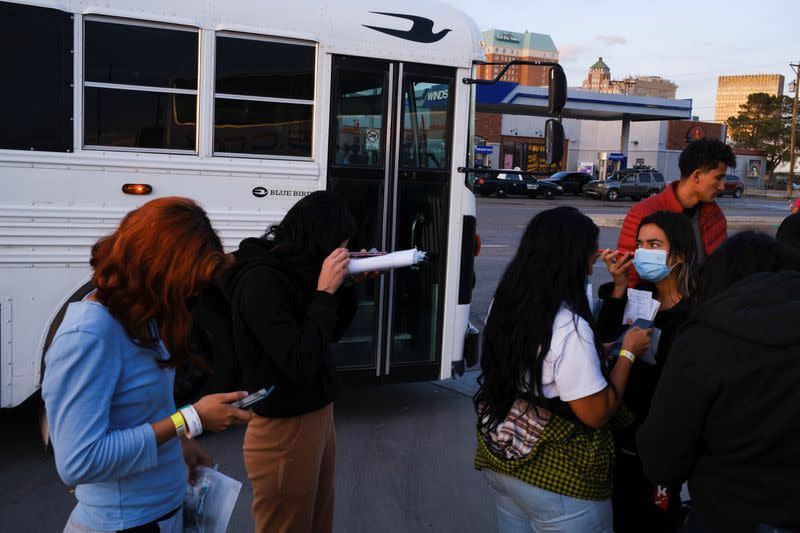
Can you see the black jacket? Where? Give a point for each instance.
(643, 377)
(282, 333)
(726, 412)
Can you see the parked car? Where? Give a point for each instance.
(633, 183)
(516, 184)
(571, 182)
(734, 185)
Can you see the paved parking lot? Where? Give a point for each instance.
(404, 461)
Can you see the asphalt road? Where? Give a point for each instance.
(404, 461)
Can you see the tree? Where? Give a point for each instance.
(764, 123)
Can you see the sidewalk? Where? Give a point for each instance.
(736, 221)
(768, 193)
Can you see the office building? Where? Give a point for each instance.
(732, 92)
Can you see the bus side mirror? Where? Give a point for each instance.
(554, 141)
(557, 94)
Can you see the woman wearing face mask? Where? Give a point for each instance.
(665, 261)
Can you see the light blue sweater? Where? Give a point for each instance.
(102, 391)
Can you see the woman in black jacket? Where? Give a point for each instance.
(288, 303)
(665, 260)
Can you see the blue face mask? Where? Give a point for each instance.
(651, 265)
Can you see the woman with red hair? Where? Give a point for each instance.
(109, 373)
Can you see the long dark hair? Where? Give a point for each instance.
(548, 271)
(744, 254)
(680, 235)
(310, 231)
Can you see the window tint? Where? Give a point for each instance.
(139, 119)
(140, 86)
(426, 125)
(254, 80)
(658, 177)
(262, 128)
(645, 178)
(263, 68)
(140, 55)
(36, 92)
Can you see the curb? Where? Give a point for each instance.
(615, 221)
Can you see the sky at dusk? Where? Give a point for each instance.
(690, 43)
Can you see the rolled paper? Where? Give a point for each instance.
(402, 259)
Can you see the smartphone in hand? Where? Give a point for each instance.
(252, 399)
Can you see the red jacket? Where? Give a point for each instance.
(713, 225)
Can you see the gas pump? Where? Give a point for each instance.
(602, 165)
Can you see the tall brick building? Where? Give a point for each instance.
(501, 46)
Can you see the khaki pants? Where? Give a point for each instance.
(290, 462)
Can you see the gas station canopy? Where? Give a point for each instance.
(514, 99)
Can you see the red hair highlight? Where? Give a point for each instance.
(161, 254)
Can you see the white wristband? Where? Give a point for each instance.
(192, 420)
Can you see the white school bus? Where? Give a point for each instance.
(244, 106)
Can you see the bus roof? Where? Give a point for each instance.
(421, 31)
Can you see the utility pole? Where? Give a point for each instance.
(793, 141)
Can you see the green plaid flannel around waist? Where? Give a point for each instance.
(569, 459)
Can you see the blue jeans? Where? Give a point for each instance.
(523, 508)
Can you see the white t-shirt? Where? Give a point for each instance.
(571, 369)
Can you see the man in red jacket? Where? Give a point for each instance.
(703, 165)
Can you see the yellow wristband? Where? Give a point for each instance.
(180, 423)
(627, 355)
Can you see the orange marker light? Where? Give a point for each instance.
(137, 188)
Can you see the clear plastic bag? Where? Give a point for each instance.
(208, 504)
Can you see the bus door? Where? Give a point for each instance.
(389, 156)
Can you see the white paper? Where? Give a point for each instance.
(640, 305)
(207, 506)
(402, 259)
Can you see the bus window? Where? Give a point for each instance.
(264, 97)
(140, 88)
(36, 93)
(426, 125)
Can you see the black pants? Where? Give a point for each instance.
(633, 500)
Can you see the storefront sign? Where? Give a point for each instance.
(695, 133)
(537, 160)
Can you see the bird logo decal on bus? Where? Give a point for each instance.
(421, 30)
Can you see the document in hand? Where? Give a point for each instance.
(405, 258)
(640, 305)
(208, 504)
